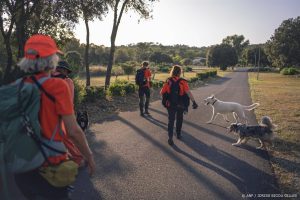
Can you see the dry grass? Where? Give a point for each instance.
(99, 81)
(279, 98)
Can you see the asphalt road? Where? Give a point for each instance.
(134, 160)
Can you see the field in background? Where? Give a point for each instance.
(98, 75)
(279, 98)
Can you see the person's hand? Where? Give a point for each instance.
(91, 165)
(195, 105)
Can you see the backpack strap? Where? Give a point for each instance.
(39, 85)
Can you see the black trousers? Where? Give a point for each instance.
(144, 91)
(175, 113)
(34, 186)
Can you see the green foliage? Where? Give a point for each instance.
(289, 71)
(94, 92)
(128, 68)
(75, 61)
(157, 84)
(121, 88)
(237, 42)
(188, 69)
(164, 69)
(79, 92)
(117, 71)
(222, 56)
(283, 48)
(159, 57)
(206, 74)
(194, 79)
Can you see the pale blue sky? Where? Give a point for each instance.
(196, 22)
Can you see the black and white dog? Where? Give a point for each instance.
(82, 119)
(263, 132)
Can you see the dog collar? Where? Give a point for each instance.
(214, 102)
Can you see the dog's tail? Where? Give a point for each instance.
(251, 107)
(265, 120)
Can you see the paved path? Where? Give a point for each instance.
(135, 162)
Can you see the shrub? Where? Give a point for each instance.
(165, 69)
(202, 75)
(79, 92)
(289, 71)
(94, 92)
(157, 84)
(194, 79)
(121, 88)
(188, 69)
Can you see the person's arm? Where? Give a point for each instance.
(190, 95)
(78, 137)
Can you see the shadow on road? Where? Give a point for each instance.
(245, 172)
(201, 178)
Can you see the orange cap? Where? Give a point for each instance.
(40, 46)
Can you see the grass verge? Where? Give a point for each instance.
(279, 98)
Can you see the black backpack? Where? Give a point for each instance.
(140, 77)
(174, 99)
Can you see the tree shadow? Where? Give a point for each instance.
(218, 135)
(108, 164)
(246, 172)
(201, 178)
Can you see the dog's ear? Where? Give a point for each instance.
(212, 96)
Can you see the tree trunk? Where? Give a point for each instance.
(7, 74)
(111, 58)
(86, 57)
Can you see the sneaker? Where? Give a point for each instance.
(146, 112)
(170, 142)
(142, 115)
(179, 136)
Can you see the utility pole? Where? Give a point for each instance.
(258, 63)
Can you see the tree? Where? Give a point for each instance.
(142, 7)
(128, 69)
(75, 61)
(121, 56)
(159, 58)
(283, 49)
(7, 21)
(117, 71)
(237, 42)
(250, 55)
(90, 9)
(222, 56)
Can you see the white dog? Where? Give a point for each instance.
(223, 108)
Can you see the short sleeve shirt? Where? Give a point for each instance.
(147, 75)
(50, 112)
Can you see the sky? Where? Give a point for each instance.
(195, 22)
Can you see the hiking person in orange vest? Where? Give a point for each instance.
(176, 98)
(142, 79)
(62, 71)
(56, 116)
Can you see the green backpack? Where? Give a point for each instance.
(21, 146)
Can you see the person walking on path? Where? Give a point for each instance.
(143, 77)
(41, 59)
(63, 71)
(176, 97)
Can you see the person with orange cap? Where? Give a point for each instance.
(40, 60)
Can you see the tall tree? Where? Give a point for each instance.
(142, 7)
(283, 49)
(91, 9)
(7, 21)
(222, 56)
(238, 42)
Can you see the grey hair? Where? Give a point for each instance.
(38, 64)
